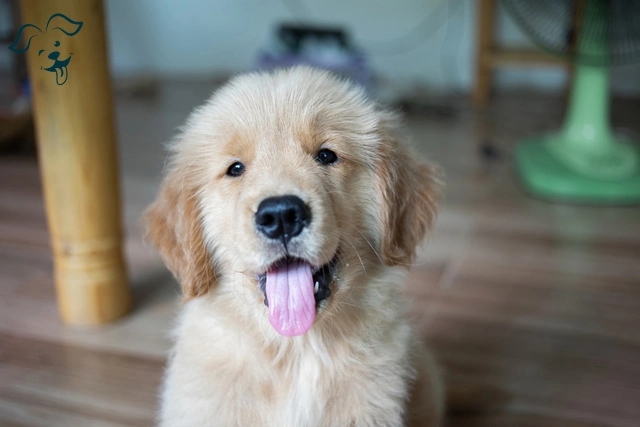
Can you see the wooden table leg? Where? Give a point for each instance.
(78, 158)
(486, 18)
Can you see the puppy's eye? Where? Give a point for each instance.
(326, 157)
(236, 169)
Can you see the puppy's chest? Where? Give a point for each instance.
(302, 390)
(295, 390)
(326, 391)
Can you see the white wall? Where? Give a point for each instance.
(203, 36)
(197, 37)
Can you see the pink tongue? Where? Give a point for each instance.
(292, 305)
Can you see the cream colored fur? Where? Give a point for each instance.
(361, 364)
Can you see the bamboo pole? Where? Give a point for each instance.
(484, 46)
(78, 162)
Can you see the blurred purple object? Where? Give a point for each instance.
(326, 48)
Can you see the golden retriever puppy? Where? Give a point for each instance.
(289, 214)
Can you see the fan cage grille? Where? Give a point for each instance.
(590, 32)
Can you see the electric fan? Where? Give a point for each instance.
(583, 161)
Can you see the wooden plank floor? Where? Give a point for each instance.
(540, 300)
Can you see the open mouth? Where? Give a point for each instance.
(294, 290)
(322, 278)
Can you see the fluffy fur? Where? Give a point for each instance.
(360, 364)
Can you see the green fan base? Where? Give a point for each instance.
(545, 176)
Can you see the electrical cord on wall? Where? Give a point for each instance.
(409, 42)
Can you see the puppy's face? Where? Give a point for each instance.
(285, 188)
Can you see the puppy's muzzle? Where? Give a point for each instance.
(282, 218)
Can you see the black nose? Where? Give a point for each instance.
(54, 55)
(282, 217)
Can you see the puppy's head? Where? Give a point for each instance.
(284, 189)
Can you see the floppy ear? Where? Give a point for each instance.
(23, 38)
(408, 192)
(173, 224)
(58, 21)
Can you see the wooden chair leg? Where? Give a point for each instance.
(486, 19)
(78, 159)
